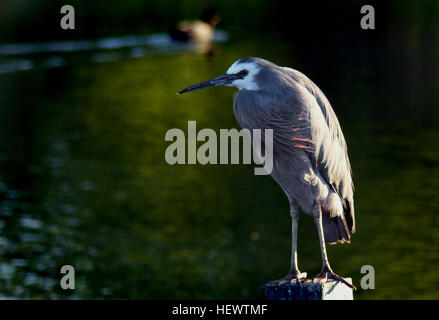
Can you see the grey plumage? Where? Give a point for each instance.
(307, 135)
(310, 159)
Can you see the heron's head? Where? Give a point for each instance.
(241, 74)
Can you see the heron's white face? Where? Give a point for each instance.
(248, 82)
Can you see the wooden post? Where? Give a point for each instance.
(331, 290)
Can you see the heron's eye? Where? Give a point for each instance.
(242, 73)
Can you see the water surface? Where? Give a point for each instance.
(83, 180)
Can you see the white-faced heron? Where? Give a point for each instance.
(310, 160)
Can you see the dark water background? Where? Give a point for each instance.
(83, 180)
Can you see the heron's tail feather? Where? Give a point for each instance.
(335, 228)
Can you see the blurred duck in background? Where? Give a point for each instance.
(199, 31)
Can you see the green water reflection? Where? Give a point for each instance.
(83, 181)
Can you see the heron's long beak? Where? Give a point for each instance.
(223, 80)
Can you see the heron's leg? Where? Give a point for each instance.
(294, 228)
(294, 275)
(326, 272)
(317, 213)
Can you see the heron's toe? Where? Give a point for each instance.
(292, 277)
(326, 275)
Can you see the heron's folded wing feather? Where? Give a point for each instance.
(331, 149)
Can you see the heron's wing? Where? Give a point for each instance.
(331, 155)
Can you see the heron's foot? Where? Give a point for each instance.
(327, 274)
(291, 277)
